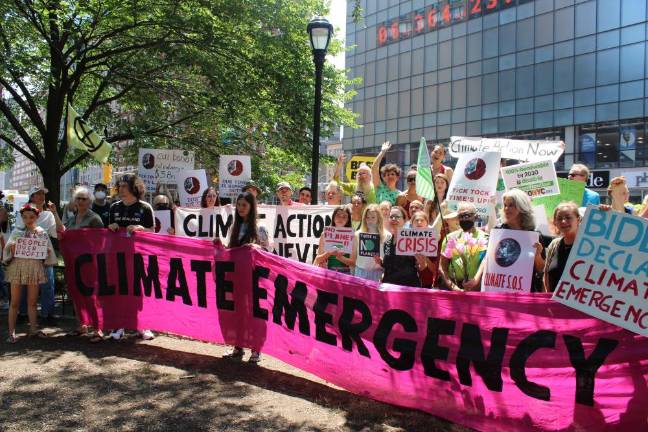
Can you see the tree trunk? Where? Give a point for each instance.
(51, 172)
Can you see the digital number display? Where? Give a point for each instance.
(437, 15)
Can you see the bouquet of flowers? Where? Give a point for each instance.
(465, 253)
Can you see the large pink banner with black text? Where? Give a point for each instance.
(489, 361)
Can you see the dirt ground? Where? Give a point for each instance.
(66, 383)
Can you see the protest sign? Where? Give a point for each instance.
(489, 361)
(474, 181)
(191, 185)
(522, 150)
(294, 230)
(33, 246)
(543, 224)
(606, 275)
(338, 238)
(570, 190)
(510, 258)
(414, 241)
(233, 173)
(354, 163)
(157, 166)
(162, 221)
(534, 178)
(368, 244)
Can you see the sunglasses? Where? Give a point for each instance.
(575, 175)
(395, 217)
(411, 179)
(81, 198)
(466, 215)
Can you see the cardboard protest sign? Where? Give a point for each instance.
(338, 238)
(368, 244)
(413, 241)
(294, 230)
(521, 150)
(157, 166)
(354, 163)
(607, 271)
(162, 221)
(474, 181)
(233, 173)
(33, 246)
(191, 184)
(510, 258)
(534, 178)
(570, 190)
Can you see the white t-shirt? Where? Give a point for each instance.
(45, 220)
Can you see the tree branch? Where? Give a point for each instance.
(20, 130)
(154, 130)
(28, 106)
(74, 162)
(13, 144)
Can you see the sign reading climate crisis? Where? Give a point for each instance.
(527, 362)
(437, 15)
(606, 275)
(415, 241)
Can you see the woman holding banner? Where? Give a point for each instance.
(398, 269)
(246, 231)
(369, 267)
(566, 219)
(336, 261)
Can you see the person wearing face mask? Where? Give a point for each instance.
(101, 205)
(370, 267)
(458, 264)
(162, 202)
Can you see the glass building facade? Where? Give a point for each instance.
(575, 70)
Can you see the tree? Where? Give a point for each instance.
(160, 73)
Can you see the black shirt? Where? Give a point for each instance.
(556, 266)
(399, 269)
(138, 213)
(103, 211)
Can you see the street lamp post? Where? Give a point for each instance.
(320, 32)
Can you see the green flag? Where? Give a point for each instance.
(424, 183)
(80, 135)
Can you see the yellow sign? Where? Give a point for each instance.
(106, 173)
(354, 163)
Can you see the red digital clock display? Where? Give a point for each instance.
(437, 15)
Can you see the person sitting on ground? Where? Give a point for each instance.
(390, 174)
(25, 271)
(336, 261)
(132, 213)
(363, 183)
(305, 195)
(580, 172)
(101, 205)
(333, 194)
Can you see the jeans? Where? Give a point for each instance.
(46, 295)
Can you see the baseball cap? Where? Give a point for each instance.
(35, 189)
(251, 185)
(284, 184)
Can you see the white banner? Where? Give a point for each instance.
(191, 184)
(233, 173)
(523, 150)
(474, 181)
(162, 221)
(161, 166)
(606, 275)
(338, 238)
(414, 241)
(294, 230)
(534, 178)
(510, 256)
(32, 247)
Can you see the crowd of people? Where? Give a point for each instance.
(374, 205)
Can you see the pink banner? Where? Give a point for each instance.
(489, 361)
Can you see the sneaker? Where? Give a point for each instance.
(147, 334)
(235, 354)
(255, 357)
(117, 334)
(11, 339)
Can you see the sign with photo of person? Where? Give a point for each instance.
(191, 184)
(160, 166)
(233, 173)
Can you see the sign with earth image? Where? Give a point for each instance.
(510, 256)
(475, 181)
(368, 244)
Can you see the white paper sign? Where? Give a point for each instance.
(606, 275)
(522, 150)
(338, 238)
(542, 223)
(294, 230)
(474, 181)
(534, 178)
(191, 184)
(233, 173)
(162, 221)
(413, 241)
(32, 247)
(510, 256)
(161, 166)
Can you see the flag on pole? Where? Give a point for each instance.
(80, 135)
(424, 182)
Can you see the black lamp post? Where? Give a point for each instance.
(320, 32)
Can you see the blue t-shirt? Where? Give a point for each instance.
(590, 197)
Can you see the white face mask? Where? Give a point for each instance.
(100, 195)
(372, 227)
